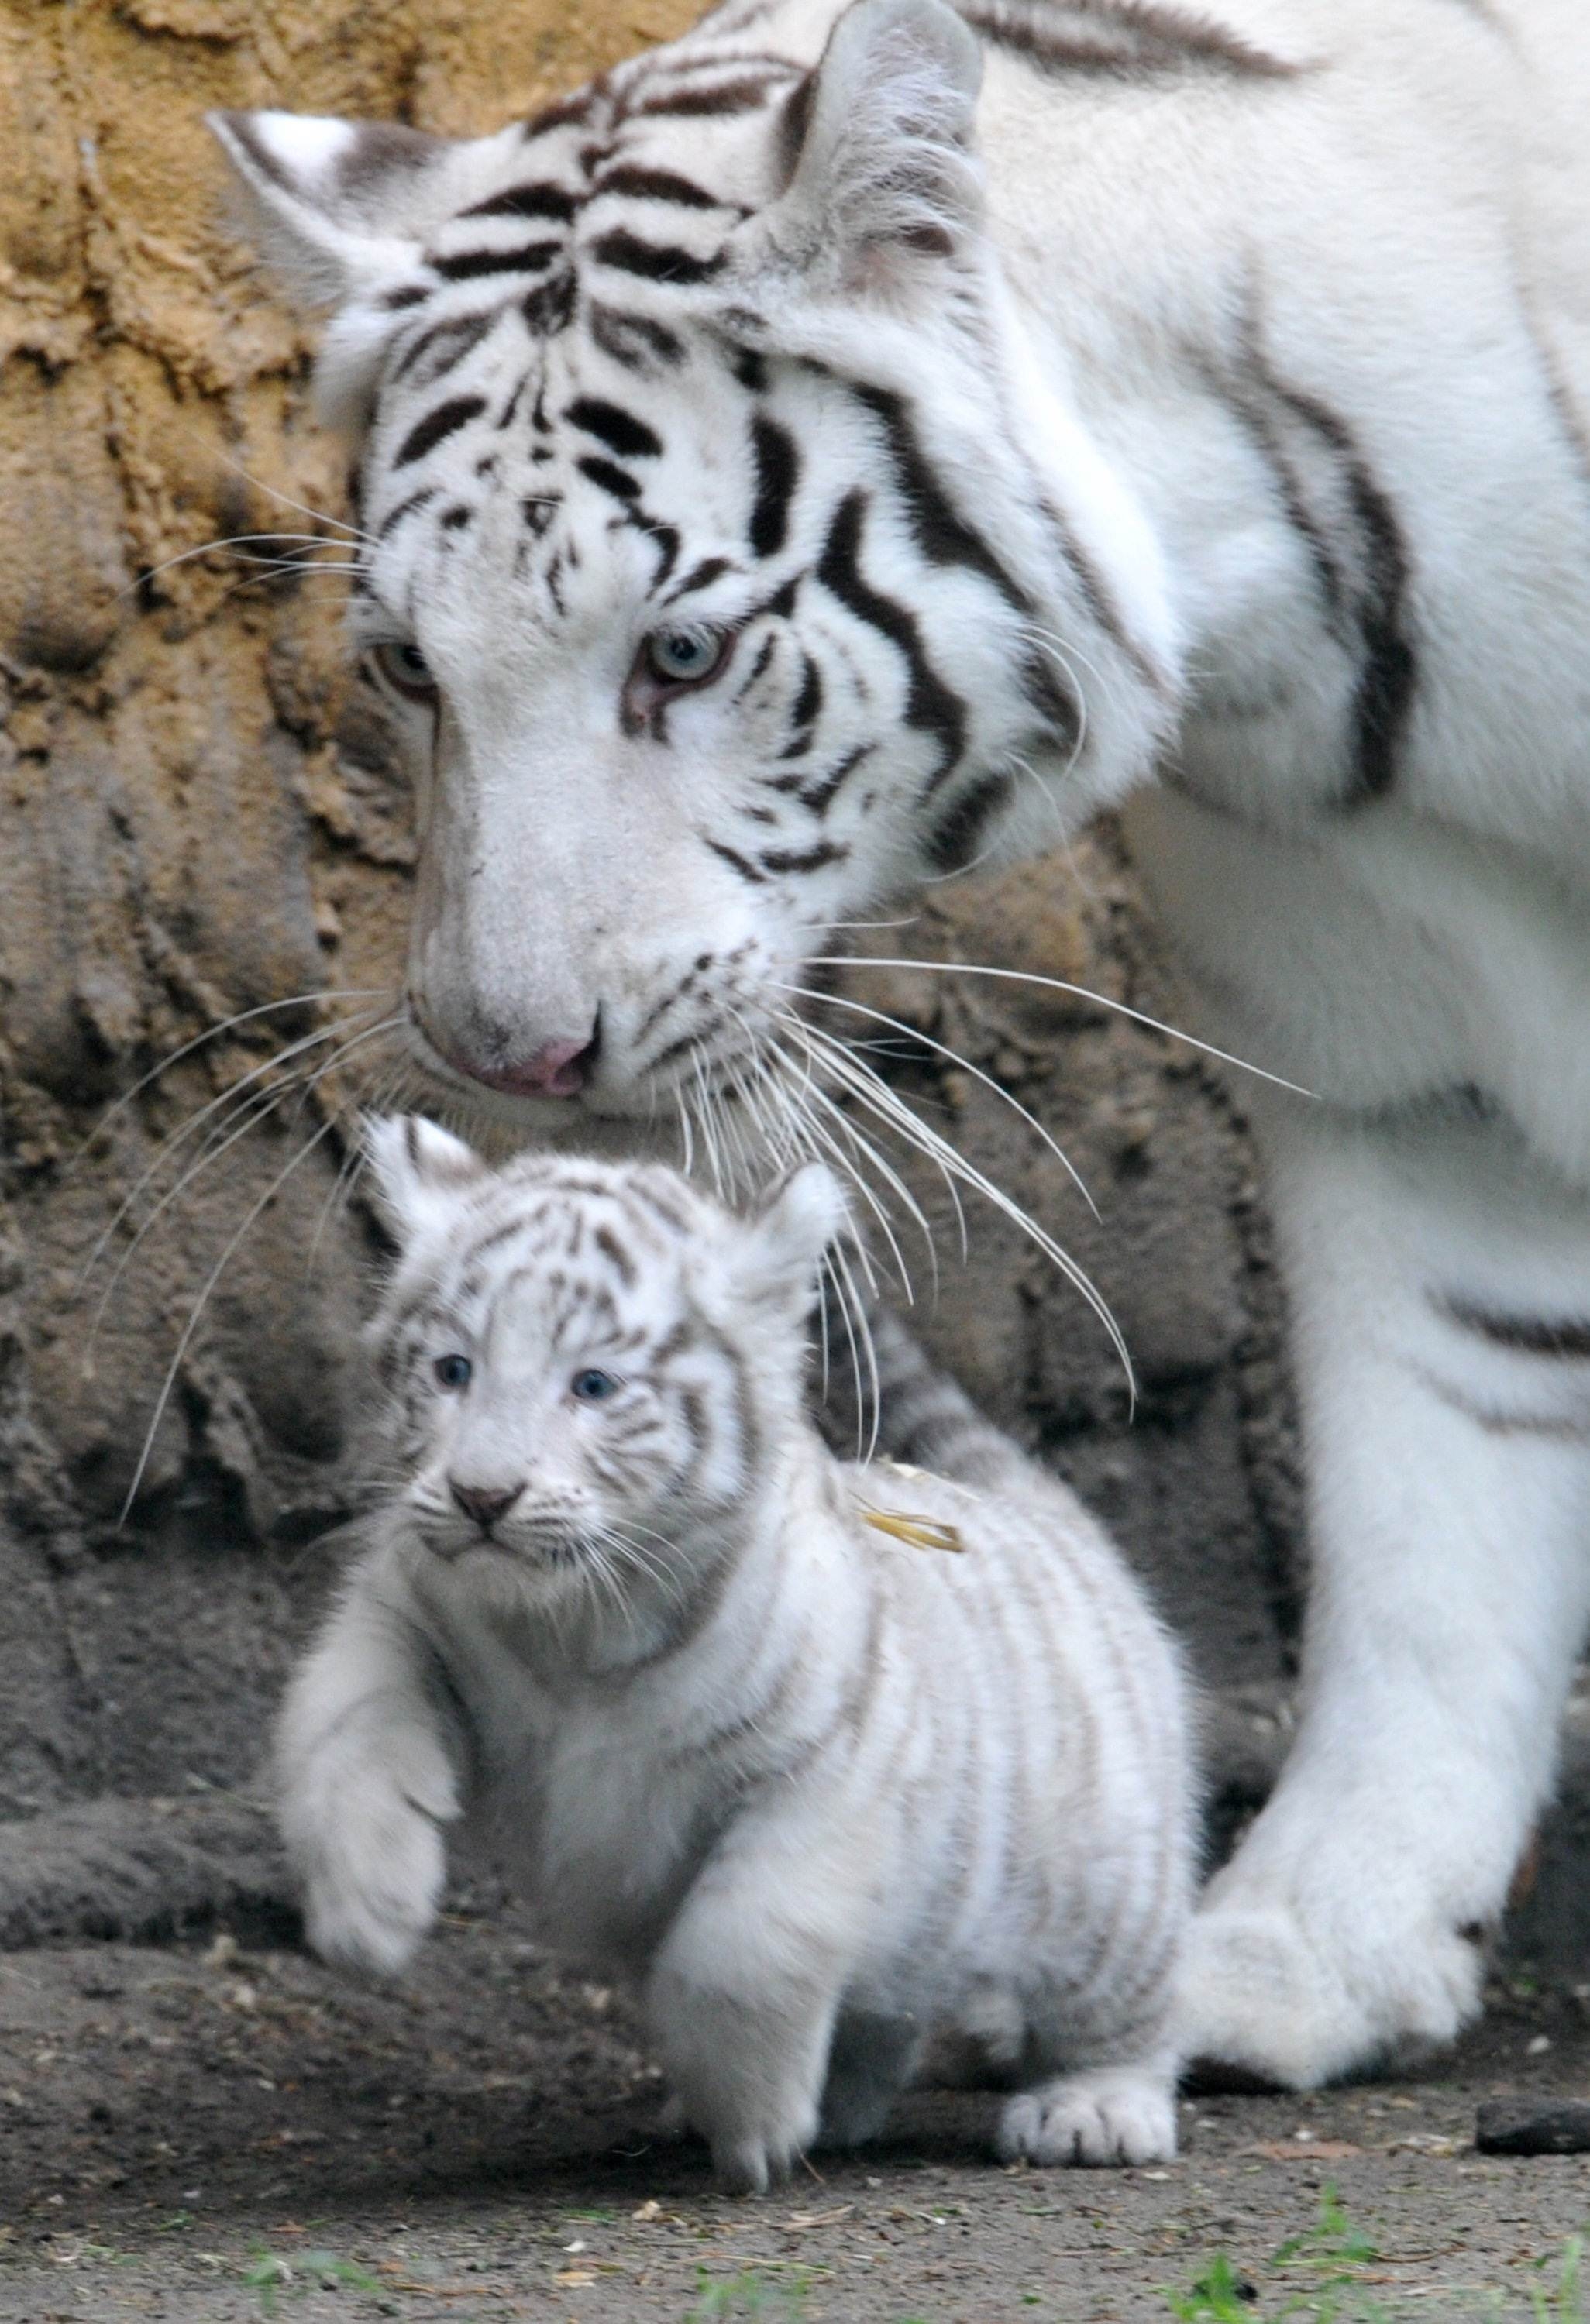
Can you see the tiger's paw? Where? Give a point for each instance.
(1265, 1996)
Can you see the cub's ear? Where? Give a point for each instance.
(788, 1237)
(878, 145)
(418, 1171)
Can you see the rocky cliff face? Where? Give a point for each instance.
(204, 836)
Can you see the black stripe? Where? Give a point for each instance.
(930, 705)
(395, 517)
(809, 701)
(628, 337)
(1384, 702)
(548, 308)
(942, 534)
(728, 96)
(564, 112)
(657, 262)
(778, 472)
(447, 418)
(659, 186)
(813, 859)
(1097, 596)
(538, 201)
(764, 654)
(456, 338)
(794, 121)
(956, 838)
(747, 871)
(455, 519)
(700, 576)
(819, 795)
(665, 538)
(1134, 37)
(528, 259)
(619, 430)
(750, 369)
(1528, 1335)
(1059, 709)
(1254, 415)
(612, 479)
(410, 294)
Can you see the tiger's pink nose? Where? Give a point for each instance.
(558, 1069)
(481, 1503)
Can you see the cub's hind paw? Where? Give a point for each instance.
(1111, 2116)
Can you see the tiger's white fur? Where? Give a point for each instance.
(821, 1792)
(1216, 405)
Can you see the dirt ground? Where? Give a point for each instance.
(214, 2133)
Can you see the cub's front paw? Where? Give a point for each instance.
(1113, 2115)
(369, 1849)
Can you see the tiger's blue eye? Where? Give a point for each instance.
(402, 665)
(592, 1387)
(453, 1372)
(685, 657)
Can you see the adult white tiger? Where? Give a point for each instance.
(755, 485)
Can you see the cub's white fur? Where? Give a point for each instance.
(821, 1792)
(1200, 414)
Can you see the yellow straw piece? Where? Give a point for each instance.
(921, 1533)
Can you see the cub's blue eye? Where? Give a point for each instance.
(685, 657)
(592, 1387)
(453, 1372)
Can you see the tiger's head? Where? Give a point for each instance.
(725, 552)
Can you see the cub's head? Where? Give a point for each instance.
(723, 554)
(586, 1364)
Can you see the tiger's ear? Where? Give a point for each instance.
(788, 1237)
(882, 180)
(335, 207)
(343, 210)
(418, 1171)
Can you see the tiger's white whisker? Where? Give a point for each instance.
(1078, 992)
(210, 1281)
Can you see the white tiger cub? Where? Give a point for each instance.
(821, 1790)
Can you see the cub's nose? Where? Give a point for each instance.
(485, 1504)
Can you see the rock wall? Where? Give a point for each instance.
(203, 836)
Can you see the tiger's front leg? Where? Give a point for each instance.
(1440, 1283)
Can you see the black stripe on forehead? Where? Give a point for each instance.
(467, 265)
(635, 341)
(622, 432)
(654, 261)
(436, 426)
(659, 186)
(539, 199)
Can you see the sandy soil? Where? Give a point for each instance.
(218, 2133)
